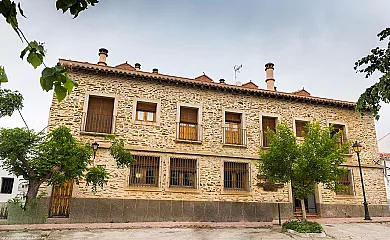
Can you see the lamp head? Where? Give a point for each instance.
(357, 147)
(95, 146)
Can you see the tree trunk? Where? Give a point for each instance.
(32, 192)
(303, 209)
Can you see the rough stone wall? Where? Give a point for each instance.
(211, 152)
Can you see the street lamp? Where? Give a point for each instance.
(95, 147)
(358, 148)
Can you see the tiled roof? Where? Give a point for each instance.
(250, 85)
(384, 155)
(125, 66)
(75, 65)
(204, 78)
(301, 92)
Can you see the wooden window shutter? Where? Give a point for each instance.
(269, 122)
(232, 117)
(188, 115)
(101, 105)
(300, 128)
(100, 114)
(146, 106)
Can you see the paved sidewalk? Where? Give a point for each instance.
(178, 224)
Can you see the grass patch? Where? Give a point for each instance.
(303, 226)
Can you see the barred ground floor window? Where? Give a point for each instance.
(347, 181)
(144, 171)
(236, 176)
(183, 173)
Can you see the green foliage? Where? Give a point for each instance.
(3, 76)
(74, 6)
(97, 176)
(36, 53)
(316, 160)
(377, 61)
(122, 156)
(303, 226)
(8, 10)
(58, 78)
(9, 102)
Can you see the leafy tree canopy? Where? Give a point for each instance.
(377, 61)
(316, 160)
(52, 77)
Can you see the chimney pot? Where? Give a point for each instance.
(155, 70)
(221, 80)
(103, 54)
(137, 66)
(269, 76)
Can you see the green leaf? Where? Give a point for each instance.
(34, 59)
(74, 6)
(3, 76)
(69, 85)
(9, 102)
(60, 92)
(21, 11)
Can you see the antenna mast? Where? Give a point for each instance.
(236, 69)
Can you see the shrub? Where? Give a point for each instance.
(303, 226)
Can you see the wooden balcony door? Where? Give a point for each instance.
(232, 133)
(60, 200)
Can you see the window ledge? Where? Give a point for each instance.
(137, 122)
(265, 148)
(244, 193)
(344, 196)
(189, 141)
(143, 189)
(94, 133)
(234, 145)
(184, 190)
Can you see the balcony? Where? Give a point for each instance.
(234, 136)
(190, 132)
(97, 123)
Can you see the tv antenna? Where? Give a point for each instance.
(236, 69)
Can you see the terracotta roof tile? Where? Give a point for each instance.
(250, 85)
(125, 66)
(204, 78)
(161, 77)
(301, 92)
(384, 155)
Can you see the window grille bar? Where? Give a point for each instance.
(347, 181)
(189, 131)
(144, 171)
(236, 176)
(183, 173)
(236, 136)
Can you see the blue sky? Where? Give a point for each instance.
(313, 44)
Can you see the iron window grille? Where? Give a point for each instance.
(236, 176)
(347, 181)
(144, 171)
(183, 173)
(7, 185)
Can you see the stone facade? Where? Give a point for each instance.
(159, 139)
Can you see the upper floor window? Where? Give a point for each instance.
(188, 128)
(268, 123)
(99, 116)
(233, 129)
(300, 128)
(236, 176)
(6, 185)
(339, 128)
(146, 111)
(347, 181)
(183, 173)
(144, 171)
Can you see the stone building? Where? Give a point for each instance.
(196, 143)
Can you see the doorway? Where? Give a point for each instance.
(310, 204)
(60, 200)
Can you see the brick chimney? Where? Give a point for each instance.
(269, 76)
(103, 54)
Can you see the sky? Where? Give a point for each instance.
(313, 44)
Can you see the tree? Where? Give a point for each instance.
(52, 77)
(316, 160)
(377, 61)
(55, 158)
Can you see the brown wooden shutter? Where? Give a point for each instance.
(232, 117)
(269, 122)
(146, 107)
(300, 128)
(188, 115)
(100, 114)
(100, 105)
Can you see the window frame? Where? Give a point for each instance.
(350, 174)
(181, 187)
(269, 115)
(199, 121)
(345, 131)
(85, 109)
(2, 183)
(157, 116)
(295, 120)
(248, 186)
(242, 126)
(144, 185)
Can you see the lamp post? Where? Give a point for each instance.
(358, 148)
(95, 147)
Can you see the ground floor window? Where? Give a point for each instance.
(236, 176)
(144, 171)
(347, 181)
(6, 185)
(183, 173)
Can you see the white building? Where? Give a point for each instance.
(10, 185)
(384, 149)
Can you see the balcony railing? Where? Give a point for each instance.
(234, 136)
(97, 123)
(264, 139)
(189, 131)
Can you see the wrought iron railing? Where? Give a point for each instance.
(97, 123)
(183, 173)
(189, 131)
(234, 136)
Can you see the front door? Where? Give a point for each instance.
(60, 200)
(310, 204)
